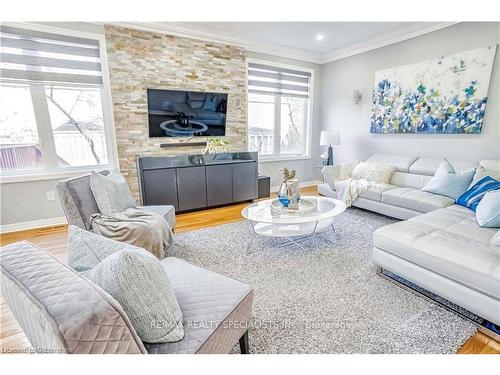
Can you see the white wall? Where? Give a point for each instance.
(307, 170)
(341, 77)
(27, 201)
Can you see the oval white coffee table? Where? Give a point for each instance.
(293, 225)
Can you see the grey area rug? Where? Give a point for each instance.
(325, 297)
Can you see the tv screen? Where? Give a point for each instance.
(174, 113)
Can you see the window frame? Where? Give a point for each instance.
(50, 170)
(277, 156)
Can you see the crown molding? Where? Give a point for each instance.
(380, 42)
(180, 30)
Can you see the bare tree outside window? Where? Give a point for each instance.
(257, 140)
(82, 97)
(261, 123)
(292, 134)
(292, 124)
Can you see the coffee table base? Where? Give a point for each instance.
(290, 235)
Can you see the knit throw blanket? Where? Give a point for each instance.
(350, 189)
(137, 227)
(364, 176)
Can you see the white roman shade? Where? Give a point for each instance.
(268, 79)
(34, 56)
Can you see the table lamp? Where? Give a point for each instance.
(329, 138)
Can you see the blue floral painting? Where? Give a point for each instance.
(442, 96)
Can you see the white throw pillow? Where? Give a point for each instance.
(137, 280)
(449, 183)
(111, 192)
(488, 210)
(375, 172)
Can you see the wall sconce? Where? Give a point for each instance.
(356, 96)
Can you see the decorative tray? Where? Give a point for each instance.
(306, 206)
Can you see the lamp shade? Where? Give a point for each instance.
(329, 137)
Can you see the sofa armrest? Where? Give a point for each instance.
(332, 173)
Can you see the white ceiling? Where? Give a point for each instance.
(298, 39)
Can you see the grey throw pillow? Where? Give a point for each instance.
(137, 280)
(111, 192)
(87, 249)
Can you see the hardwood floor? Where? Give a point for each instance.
(53, 239)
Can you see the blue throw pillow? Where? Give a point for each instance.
(488, 210)
(210, 103)
(449, 184)
(475, 193)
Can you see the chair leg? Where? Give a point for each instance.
(244, 348)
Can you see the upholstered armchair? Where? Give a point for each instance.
(60, 311)
(79, 204)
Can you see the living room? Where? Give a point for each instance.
(327, 186)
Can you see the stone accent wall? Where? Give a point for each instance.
(139, 60)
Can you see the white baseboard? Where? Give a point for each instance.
(274, 189)
(14, 227)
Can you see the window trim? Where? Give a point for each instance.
(107, 113)
(278, 157)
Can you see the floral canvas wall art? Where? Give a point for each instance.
(440, 96)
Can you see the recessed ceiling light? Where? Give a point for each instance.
(320, 37)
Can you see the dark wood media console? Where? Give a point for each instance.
(192, 182)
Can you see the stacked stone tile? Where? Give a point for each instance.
(139, 60)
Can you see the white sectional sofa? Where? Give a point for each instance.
(440, 246)
(402, 197)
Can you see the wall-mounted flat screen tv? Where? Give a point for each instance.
(174, 113)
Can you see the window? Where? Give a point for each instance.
(279, 103)
(19, 140)
(52, 116)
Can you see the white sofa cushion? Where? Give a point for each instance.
(428, 166)
(415, 199)
(400, 162)
(448, 242)
(403, 179)
(482, 172)
(373, 192)
(425, 166)
(493, 165)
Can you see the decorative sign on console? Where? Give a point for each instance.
(445, 95)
